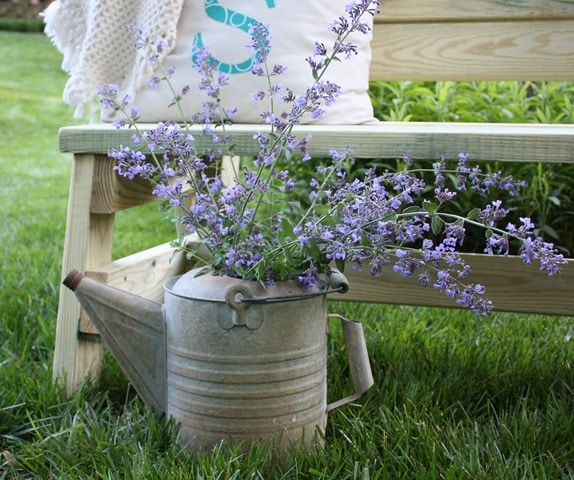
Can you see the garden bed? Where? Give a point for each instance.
(22, 9)
(22, 15)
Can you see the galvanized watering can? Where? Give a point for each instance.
(228, 359)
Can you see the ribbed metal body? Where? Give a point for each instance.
(244, 371)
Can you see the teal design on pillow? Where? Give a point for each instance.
(231, 18)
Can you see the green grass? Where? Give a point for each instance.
(456, 397)
(21, 25)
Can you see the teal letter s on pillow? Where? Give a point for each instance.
(233, 19)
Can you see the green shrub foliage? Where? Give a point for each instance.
(549, 200)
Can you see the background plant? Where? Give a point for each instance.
(549, 199)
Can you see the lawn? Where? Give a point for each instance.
(455, 396)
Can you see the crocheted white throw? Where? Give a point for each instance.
(91, 35)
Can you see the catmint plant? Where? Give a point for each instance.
(255, 229)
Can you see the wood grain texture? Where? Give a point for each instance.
(511, 285)
(112, 193)
(525, 50)
(474, 40)
(75, 358)
(490, 142)
(142, 273)
(99, 252)
(409, 11)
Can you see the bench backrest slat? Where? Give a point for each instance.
(404, 11)
(474, 40)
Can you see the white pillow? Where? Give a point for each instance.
(295, 26)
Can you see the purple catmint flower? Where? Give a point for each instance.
(315, 63)
(172, 193)
(439, 168)
(454, 236)
(269, 117)
(349, 49)
(340, 26)
(258, 96)
(462, 162)
(471, 297)
(154, 81)
(303, 240)
(493, 213)
(212, 80)
(497, 244)
(131, 163)
(320, 50)
(261, 41)
(282, 175)
(405, 266)
(444, 195)
(357, 8)
(137, 34)
(309, 279)
(425, 279)
(317, 113)
(408, 158)
(108, 97)
(256, 229)
(537, 248)
(161, 45)
(278, 70)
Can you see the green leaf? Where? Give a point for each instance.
(322, 209)
(555, 200)
(273, 188)
(473, 214)
(412, 210)
(437, 225)
(391, 217)
(203, 271)
(430, 207)
(548, 230)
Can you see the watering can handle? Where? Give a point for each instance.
(359, 364)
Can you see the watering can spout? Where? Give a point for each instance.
(133, 328)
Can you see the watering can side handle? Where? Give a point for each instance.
(359, 364)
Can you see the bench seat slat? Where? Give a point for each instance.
(483, 141)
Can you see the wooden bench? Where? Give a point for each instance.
(413, 40)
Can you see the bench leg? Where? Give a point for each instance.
(88, 243)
